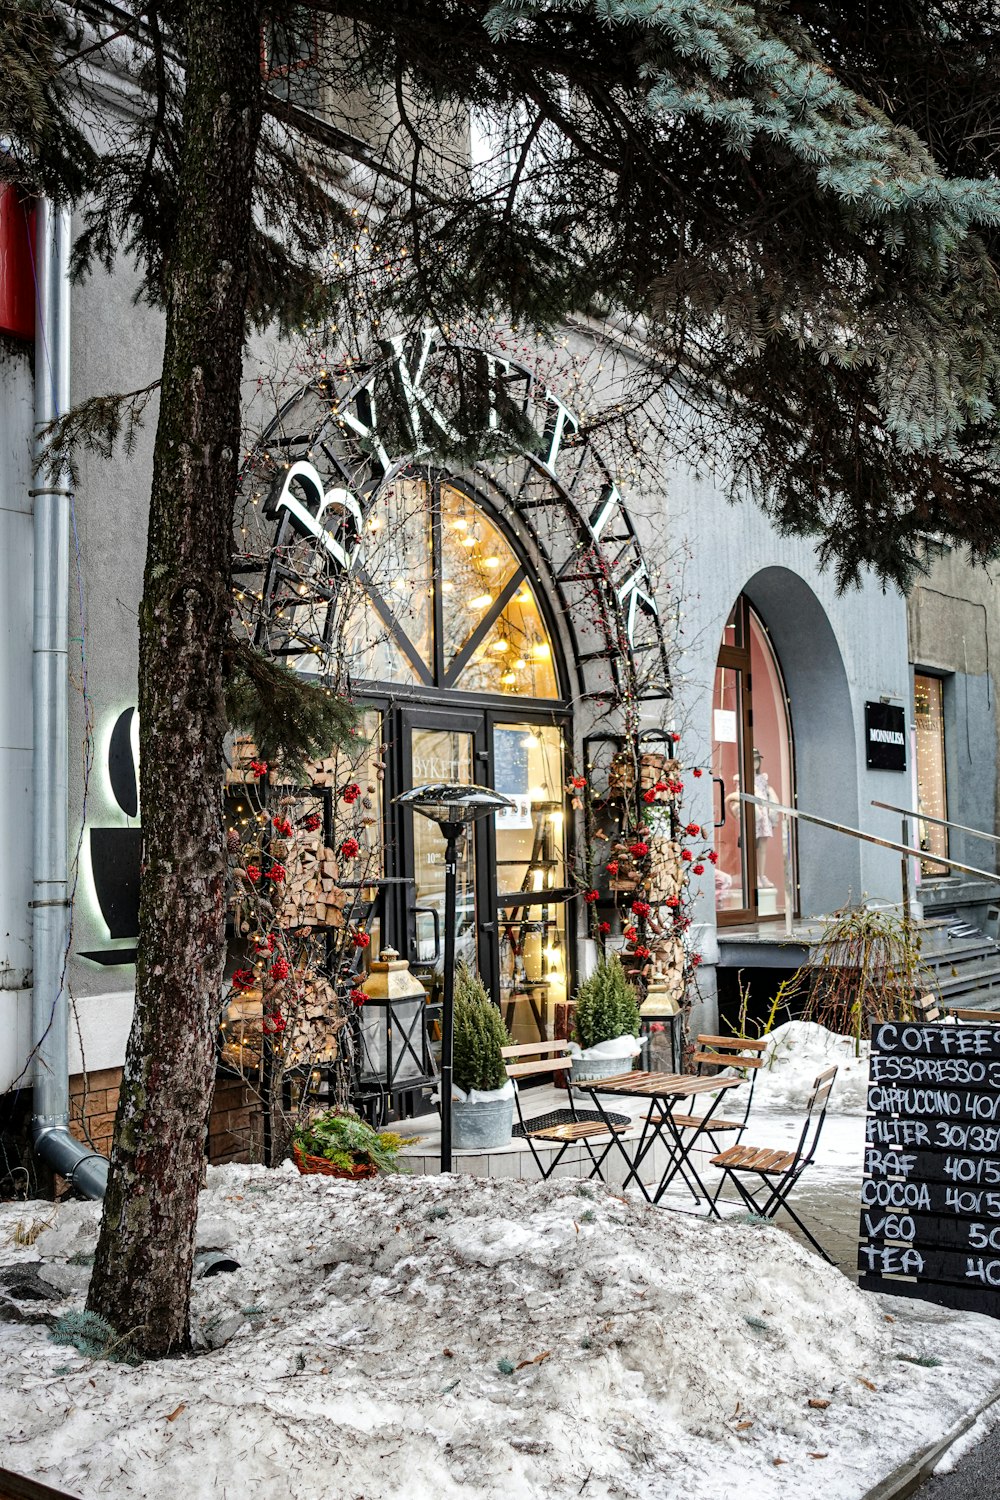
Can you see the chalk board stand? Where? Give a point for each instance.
(930, 1210)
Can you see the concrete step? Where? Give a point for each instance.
(986, 977)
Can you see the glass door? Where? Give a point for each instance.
(444, 747)
(751, 752)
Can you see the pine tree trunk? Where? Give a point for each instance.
(142, 1273)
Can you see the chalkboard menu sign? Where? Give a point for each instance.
(930, 1202)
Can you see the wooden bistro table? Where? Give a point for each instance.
(664, 1092)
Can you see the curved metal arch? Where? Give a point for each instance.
(586, 541)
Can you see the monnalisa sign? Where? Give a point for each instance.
(408, 384)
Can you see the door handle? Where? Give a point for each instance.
(487, 927)
(718, 781)
(429, 911)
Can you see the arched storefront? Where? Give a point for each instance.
(487, 612)
(752, 752)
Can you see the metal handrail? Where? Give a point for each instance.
(922, 817)
(868, 838)
(855, 833)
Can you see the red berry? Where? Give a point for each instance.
(641, 908)
(604, 929)
(692, 830)
(639, 849)
(357, 998)
(591, 896)
(698, 869)
(579, 782)
(242, 979)
(312, 822)
(350, 848)
(362, 939)
(713, 856)
(686, 854)
(642, 951)
(612, 867)
(252, 873)
(631, 933)
(697, 771)
(649, 796)
(279, 969)
(282, 827)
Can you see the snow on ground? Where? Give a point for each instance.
(797, 1052)
(431, 1338)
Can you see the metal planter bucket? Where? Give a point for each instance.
(587, 1068)
(482, 1124)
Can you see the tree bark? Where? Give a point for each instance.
(142, 1273)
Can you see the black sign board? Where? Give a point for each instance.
(930, 1201)
(885, 737)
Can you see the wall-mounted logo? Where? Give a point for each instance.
(116, 853)
(885, 737)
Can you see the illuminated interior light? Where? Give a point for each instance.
(491, 562)
(469, 541)
(461, 524)
(447, 586)
(504, 646)
(537, 794)
(542, 650)
(519, 664)
(481, 601)
(530, 742)
(508, 679)
(524, 599)
(556, 819)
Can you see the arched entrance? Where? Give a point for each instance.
(447, 639)
(752, 752)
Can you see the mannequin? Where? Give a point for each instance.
(765, 821)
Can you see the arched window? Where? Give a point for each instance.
(442, 600)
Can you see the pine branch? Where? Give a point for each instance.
(290, 719)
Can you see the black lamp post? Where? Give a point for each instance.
(454, 808)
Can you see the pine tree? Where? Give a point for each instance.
(606, 1005)
(480, 1033)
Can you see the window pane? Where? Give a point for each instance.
(396, 558)
(932, 793)
(528, 768)
(727, 779)
(476, 563)
(772, 760)
(515, 656)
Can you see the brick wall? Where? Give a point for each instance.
(93, 1100)
(234, 1131)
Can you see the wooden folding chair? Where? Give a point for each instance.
(562, 1127)
(779, 1171)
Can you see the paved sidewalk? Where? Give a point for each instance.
(974, 1477)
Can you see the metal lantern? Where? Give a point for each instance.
(658, 1015)
(392, 1024)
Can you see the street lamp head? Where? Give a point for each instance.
(448, 802)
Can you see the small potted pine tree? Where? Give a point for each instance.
(606, 1022)
(482, 1112)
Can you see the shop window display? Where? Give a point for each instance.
(932, 791)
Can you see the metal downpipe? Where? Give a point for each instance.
(83, 1167)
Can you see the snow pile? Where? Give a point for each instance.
(430, 1338)
(796, 1053)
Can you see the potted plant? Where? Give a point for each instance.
(606, 1022)
(482, 1112)
(343, 1145)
